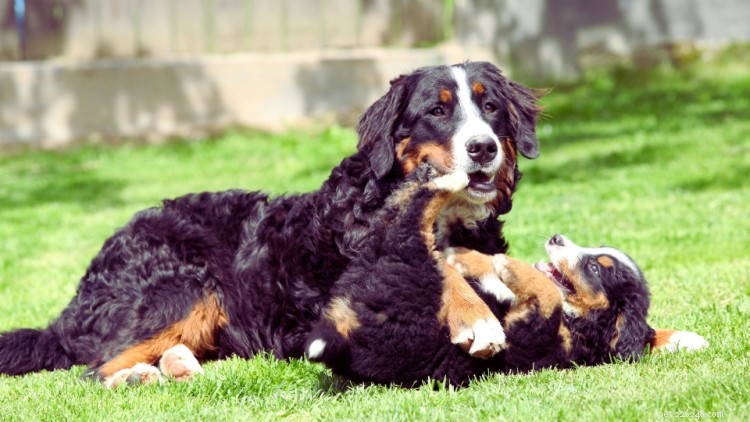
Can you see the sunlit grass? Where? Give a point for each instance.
(654, 163)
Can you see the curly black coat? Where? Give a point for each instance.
(382, 324)
(237, 272)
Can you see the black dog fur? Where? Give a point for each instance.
(236, 272)
(382, 324)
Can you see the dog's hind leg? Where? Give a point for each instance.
(196, 333)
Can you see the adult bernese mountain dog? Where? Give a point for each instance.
(384, 322)
(237, 272)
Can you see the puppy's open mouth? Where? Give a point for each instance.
(556, 277)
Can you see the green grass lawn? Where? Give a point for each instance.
(654, 163)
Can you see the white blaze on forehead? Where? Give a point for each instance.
(572, 254)
(471, 125)
(617, 254)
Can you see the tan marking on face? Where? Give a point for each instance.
(197, 331)
(584, 299)
(445, 96)
(661, 339)
(433, 153)
(381, 317)
(341, 314)
(606, 261)
(618, 323)
(478, 88)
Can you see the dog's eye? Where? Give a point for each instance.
(594, 268)
(437, 112)
(489, 107)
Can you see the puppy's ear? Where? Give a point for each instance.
(377, 125)
(631, 338)
(631, 296)
(522, 114)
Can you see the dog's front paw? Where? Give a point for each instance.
(503, 266)
(180, 364)
(140, 373)
(452, 182)
(484, 339)
(453, 256)
(493, 285)
(423, 173)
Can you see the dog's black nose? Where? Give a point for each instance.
(481, 149)
(557, 240)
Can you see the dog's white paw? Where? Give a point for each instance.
(452, 182)
(501, 263)
(453, 261)
(491, 284)
(484, 340)
(140, 373)
(180, 364)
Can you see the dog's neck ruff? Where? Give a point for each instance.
(460, 211)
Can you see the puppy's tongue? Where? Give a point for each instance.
(548, 269)
(554, 275)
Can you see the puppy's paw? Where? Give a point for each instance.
(180, 364)
(140, 373)
(483, 340)
(467, 262)
(423, 173)
(503, 266)
(453, 258)
(452, 182)
(491, 284)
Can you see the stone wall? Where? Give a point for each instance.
(161, 68)
(556, 38)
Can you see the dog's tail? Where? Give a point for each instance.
(28, 350)
(325, 344)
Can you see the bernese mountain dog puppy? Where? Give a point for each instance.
(237, 273)
(385, 320)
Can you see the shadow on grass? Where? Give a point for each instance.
(730, 178)
(43, 178)
(595, 165)
(645, 100)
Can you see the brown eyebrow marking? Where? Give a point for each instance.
(606, 261)
(445, 96)
(478, 88)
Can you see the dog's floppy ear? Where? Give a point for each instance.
(522, 114)
(377, 124)
(633, 335)
(631, 296)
